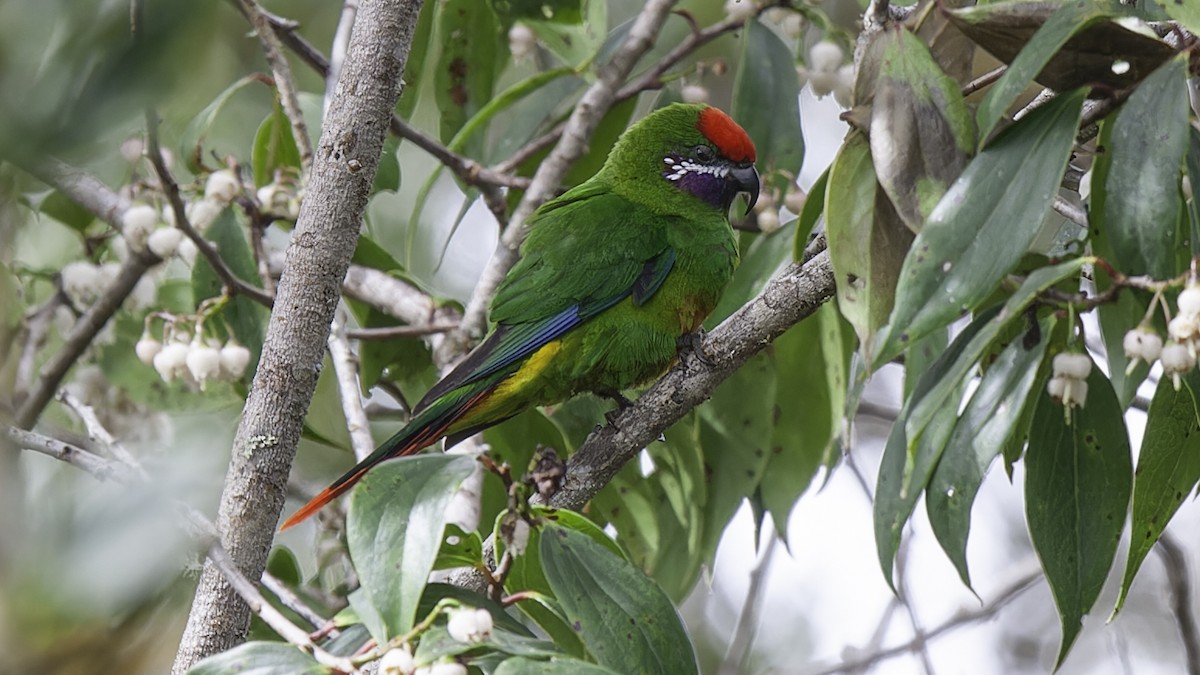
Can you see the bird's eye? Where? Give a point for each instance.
(704, 153)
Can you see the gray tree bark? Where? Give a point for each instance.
(325, 237)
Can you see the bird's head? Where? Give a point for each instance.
(697, 149)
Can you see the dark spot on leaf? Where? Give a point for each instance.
(616, 511)
(576, 627)
(758, 453)
(458, 78)
(776, 412)
(749, 474)
(1178, 496)
(777, 449)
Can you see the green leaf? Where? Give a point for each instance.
(866, 251)
(436, 643)
(814, 208)
(471, 57)
(283, 565)
(260, 658)
(575, 42)
(526, 575)
(812, 359)
(626, 620)
(766, 102)
(735, 433)
(394, 530)
(1142, 189)
(274, 147)
(192, 140)
(245, 317)
(1186, 13)
(1167, 471)
(1070, 18)
(983, 225)
(921, 131)
(558, 666)
(414, 69)
(1077, 484)
(1193, 204)
(59, 207)
(987, 424)
(325, 422)
(459, 549)
(387, 176)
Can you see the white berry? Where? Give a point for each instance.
(521, 40)
(80, 281)
(469, 624)
(397, 662)
(171, 362)
(1189, 300)
(768, 221)
(1056, 387)
(1142, 343)
(132, 149)
(1184, 327)
(694, 93)
(822, 82)
(203, 362)
(1075, 394)
(187, 251)
(1176, 359)
(164, 241)
(443, 668)
(793, 25)
(144, 293)
(825, 56)
(843, 91)
(146, 349)
(222, 186)
(234, 359)
(137, 223)
(202, 212)
(794, 200)
(519, 540)
(740, 9)
(1072, 365)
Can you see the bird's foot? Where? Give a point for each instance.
(621, 401)
(694, 343)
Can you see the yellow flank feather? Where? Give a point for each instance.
(514, 393)
(530, 370)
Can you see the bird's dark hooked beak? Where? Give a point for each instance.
(746, 180)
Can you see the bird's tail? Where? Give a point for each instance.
(422, 431)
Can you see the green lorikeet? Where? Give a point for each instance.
(614, 272)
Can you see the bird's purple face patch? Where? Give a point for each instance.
(705, 181)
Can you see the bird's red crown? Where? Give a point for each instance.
(729, 137)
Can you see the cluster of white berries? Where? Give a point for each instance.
(144, 229)
(469, 624)
(193, 360)
(1178, 354)
(826, 74)
(766, 210)
(1068, 384)
(280, 199)
(83, 282)
(400, 661)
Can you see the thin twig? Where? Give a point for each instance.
(1179, 581)
(82, 333)
(397, 332)
(284, 84)
(117, 471)
(171, 190)
(1007, 595)
(99, 434)
(747, 623)
(293, 602)
(80, 187)
(337, 51)
(592, 107)
(983, 80)
(1071, 212)
(36, 327)
(345, 366)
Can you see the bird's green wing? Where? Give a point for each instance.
(588, 250)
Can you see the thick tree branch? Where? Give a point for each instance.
(592, 107)
(325, 237)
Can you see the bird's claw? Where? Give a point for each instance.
(694, 343)
(621, 401)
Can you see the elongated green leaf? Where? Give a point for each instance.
(526, 575)
(983, 225)
(814, 208)
(459, 549)
(469, 34)
(921, 131)
(246, 318)
(260, 658)
(627, 622)
(1193, 172)
(1142, 188)
(575, 42)
(909, 457)
(866, 252)
(1168, 469)
(394, 530)
(436, 643)
(197, 130)
(414, 68)
(61, 208)
(274, 147)
(812, 360)
(1077, 484)
(524, 666)
(735, 433)
(1068, 20)
(985, 426)
(766, 102)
